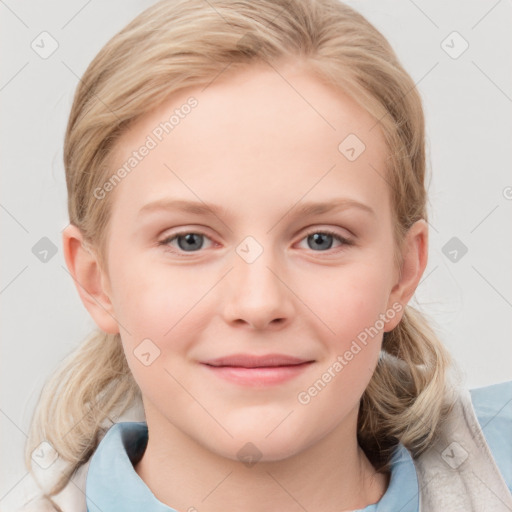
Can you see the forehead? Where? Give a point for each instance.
(256, 137)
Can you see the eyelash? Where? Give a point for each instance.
(167, 240)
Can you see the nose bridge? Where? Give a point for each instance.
(252, 267)
(257, 294)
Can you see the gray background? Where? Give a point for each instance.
(468, 105)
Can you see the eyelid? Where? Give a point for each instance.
(345, 241)
(165, 242)
(338, 230)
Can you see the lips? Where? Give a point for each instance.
(255, 371)
(255, 361)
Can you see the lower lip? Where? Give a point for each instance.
(263, 376)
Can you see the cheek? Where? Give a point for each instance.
(351, 301)
(154, 298)
(160, 310)
(164, 314)
(352, 307)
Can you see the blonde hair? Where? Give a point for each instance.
(176, 44)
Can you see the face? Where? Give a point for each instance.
(213, 253)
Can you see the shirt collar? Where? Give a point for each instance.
(402, 494)
(113, 484)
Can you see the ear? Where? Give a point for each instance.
(414, 261)
(90, 280)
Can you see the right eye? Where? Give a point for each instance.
(186, 241)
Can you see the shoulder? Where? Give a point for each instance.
(28, 495)
(493, 409)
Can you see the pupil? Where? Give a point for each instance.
(190, 241)
(320, 237)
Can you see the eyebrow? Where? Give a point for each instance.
(305, 209)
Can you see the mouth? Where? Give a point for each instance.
(256, 361)
(257, 371)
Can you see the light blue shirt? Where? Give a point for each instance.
(113, 485)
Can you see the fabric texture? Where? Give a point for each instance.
(468, 468)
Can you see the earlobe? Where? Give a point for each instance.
(414, 262)
(89, 280)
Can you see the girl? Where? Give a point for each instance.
(247, 227)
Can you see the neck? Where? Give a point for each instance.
(331, 475)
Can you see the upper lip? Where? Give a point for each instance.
(254, 361)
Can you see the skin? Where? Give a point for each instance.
(255, 146)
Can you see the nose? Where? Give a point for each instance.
(257, 294)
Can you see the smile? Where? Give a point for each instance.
(257, 376)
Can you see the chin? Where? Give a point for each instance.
(250, 453)
(257, 445)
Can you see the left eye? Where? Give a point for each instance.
(321, 239)
(191, 241)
